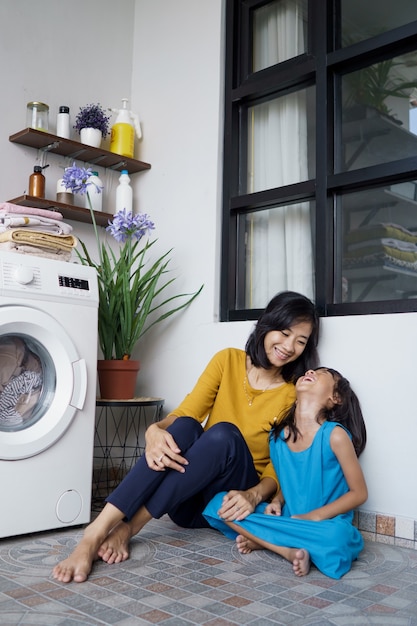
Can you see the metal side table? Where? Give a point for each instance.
(119, 440)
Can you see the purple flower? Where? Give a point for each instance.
(129, 285)
(92, 116)
(126, 226)
(75, 178)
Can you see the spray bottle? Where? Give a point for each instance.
(122, 140)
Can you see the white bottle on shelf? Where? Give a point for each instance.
(95, 192)
(63, 122)
(124, 193)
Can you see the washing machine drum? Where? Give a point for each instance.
(42, 382)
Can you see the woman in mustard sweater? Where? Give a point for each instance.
(216, 440)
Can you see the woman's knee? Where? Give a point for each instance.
(223, 432)
(185, 430)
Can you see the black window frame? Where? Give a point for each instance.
(322, 65)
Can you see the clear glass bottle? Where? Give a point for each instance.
(37, 115)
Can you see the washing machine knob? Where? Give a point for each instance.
(23, 275)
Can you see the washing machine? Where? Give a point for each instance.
(48, 365)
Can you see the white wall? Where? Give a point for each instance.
(59, 53)
(377, 353)
(177, 87)
(167, 58)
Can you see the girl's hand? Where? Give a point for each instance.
(312, 517)
(237, 505)
(161, 451)
(274, 508)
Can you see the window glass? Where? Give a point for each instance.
(278, 252)
(378, 113)
(278, 32)
(281, 141)
(361, 20)
(379, 243)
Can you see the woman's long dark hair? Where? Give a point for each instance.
(347, 412)
(283, 311)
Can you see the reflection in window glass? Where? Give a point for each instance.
(278, 32)
(379, 242)
(281, 141)
(362, 20)
(377, 124)
(278, 253)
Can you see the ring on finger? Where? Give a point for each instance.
(160, 458)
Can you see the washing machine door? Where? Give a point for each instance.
(42, 381)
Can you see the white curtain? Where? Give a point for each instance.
(279, 251)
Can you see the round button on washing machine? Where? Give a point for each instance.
(23, 275)
(69, 506)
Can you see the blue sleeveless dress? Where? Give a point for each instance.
(309, 479)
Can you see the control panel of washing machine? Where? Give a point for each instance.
(32, 277)
(73, 283)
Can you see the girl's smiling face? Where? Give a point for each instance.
(321, 383)
(285, 346)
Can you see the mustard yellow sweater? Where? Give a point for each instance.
(222, 395)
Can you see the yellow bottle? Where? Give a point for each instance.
(122, 139)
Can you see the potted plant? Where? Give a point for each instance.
(130, 286)
(92, 124)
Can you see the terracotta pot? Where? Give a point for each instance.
(117, 379)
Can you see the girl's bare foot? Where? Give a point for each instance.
(115, 547)
(301, 563)
(245, 545)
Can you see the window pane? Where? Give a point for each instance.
(378, 113)
(361, 20)
(379, 242)
(278, 253)
(281, 141)
(278, 32)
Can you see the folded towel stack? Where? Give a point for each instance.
(29, 230)
(387, 245)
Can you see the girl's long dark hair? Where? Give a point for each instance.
(283, 311)
(348, 413)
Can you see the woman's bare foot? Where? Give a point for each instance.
(301, 563)
(78, 565)
(245, 545)
(115, 547)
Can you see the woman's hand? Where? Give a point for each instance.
(237, 505)
(161, 451)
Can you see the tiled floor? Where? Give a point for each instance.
(177, 577)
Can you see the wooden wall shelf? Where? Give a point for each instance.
(75, 150)
(69, 211)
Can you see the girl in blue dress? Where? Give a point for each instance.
(314, 450)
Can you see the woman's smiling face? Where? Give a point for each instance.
(285, 346)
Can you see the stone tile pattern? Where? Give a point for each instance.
(176, 577)
(393, 530)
